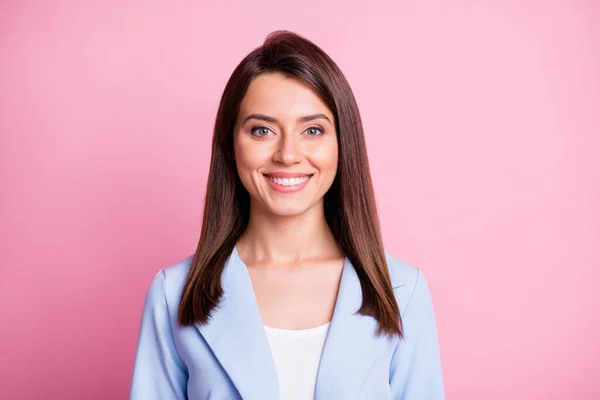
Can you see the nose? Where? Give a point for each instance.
(289, 150)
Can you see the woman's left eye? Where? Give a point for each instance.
(314, 131)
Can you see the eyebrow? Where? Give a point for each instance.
(305, 118)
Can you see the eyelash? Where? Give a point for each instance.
(255, 128)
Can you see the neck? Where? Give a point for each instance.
(287, 239)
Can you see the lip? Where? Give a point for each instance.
(287, 189)
(283, 174)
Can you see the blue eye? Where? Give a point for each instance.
(260, 131)
(314, 131)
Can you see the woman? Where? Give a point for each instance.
(290, 294)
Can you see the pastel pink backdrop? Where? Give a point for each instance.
(482, 122)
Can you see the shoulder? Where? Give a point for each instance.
(407, 281)
(169, 281)
(176, 274)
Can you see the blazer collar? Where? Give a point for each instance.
(236, 336)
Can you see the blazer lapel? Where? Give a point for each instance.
(236, 335)
(351, 347)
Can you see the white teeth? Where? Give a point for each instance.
(288, 181)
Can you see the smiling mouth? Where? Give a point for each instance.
(289, 181)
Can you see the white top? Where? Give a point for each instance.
(297, 354)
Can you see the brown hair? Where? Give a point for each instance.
(350, 208)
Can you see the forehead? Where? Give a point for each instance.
(281, 96)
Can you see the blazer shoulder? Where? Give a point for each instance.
(175, 276)
(404, 279)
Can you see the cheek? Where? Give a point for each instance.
(243, 163)
(246, 158)
(250, 157)
(325, 156)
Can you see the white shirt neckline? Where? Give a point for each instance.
(298, 332)
(297, 354)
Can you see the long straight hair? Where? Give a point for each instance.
(349, 205)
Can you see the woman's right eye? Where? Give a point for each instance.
(260, 131)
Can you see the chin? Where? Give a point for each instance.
(288, 211)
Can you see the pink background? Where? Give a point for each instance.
(482, 121)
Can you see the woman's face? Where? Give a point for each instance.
(285, 145)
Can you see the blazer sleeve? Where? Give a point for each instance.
(158, 371)
(416, 370)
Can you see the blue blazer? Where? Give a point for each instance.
(230, 357)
